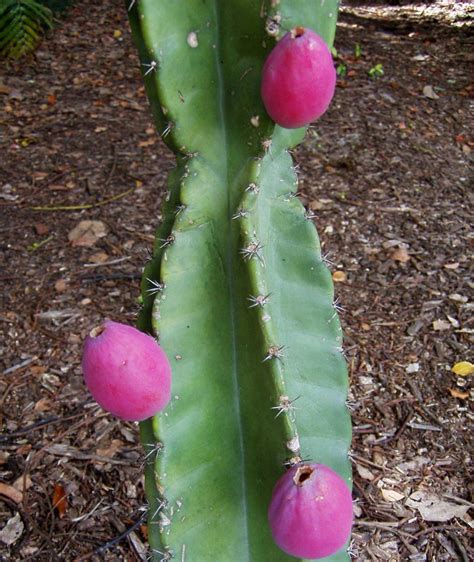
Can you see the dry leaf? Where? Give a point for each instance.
(4, 455)
(86, 233)
(44, 405)
(401, 255)
(441, 325)
(59, 499)
(111, 449)
(453, 265)
(12, 530)
(463, 368)
(454, 321)
(428, 92)
(11, 493)
(364, 472)
(60, 285)
(23, 483)
(432, 508)
(98, 257)
(41, 229)
(391, 495)
(458, 394)
(339, 276)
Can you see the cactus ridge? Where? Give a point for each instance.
(237, 290)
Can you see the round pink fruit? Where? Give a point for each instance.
(126, 371)
(310, 512)
(298, 79)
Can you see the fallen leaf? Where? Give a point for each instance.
(453, 265)
(11, 493)
(463, 368)
(420, 58)
(44, 405)
(111, 449)
(51, 99)
(441, 325)
(364, 472)
(60, 286)
(117, 33)
(415, 464)
(4, 455)
(59, 499)
(339, 276)
(432, 508)
(23, 483)
(12, 530)
(458, 298)
(41, 229)
(5, 89)
(428, 92)
(454, 322)
(458, 394)
(148, 142)
(86, 233)
(400, 254)
(98, 257)
(391, 495)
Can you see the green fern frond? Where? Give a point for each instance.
(22, 25)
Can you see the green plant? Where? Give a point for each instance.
(237, 291)
(22, 25)
(57, 6)
(357, 51)
(341, 70)
(376, 71)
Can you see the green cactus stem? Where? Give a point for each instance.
(237, 291)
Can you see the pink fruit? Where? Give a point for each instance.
(298, 79)
(126, 371)
(310, 512)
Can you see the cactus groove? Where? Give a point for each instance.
(236, 291)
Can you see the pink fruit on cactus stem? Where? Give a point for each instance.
(310, 512)
(298, 79)
(126, 371)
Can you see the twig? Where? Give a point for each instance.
(437, 529)
(113, 542)
(104, 276)
(110, 262)
(460, 546)
(400, 430)
(37, 425)
(114, 166)
(20, 365)
(86, 206)
(387, 526)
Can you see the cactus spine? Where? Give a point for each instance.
(237, 290)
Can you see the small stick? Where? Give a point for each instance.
(86, 206)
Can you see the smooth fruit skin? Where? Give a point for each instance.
(126, 371)
(310, 513)
(298, 79)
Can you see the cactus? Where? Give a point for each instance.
(237, 290)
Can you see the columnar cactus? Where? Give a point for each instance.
(237, 291)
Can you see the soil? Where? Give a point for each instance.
(386, 174)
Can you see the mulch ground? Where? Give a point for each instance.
(386, 174)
